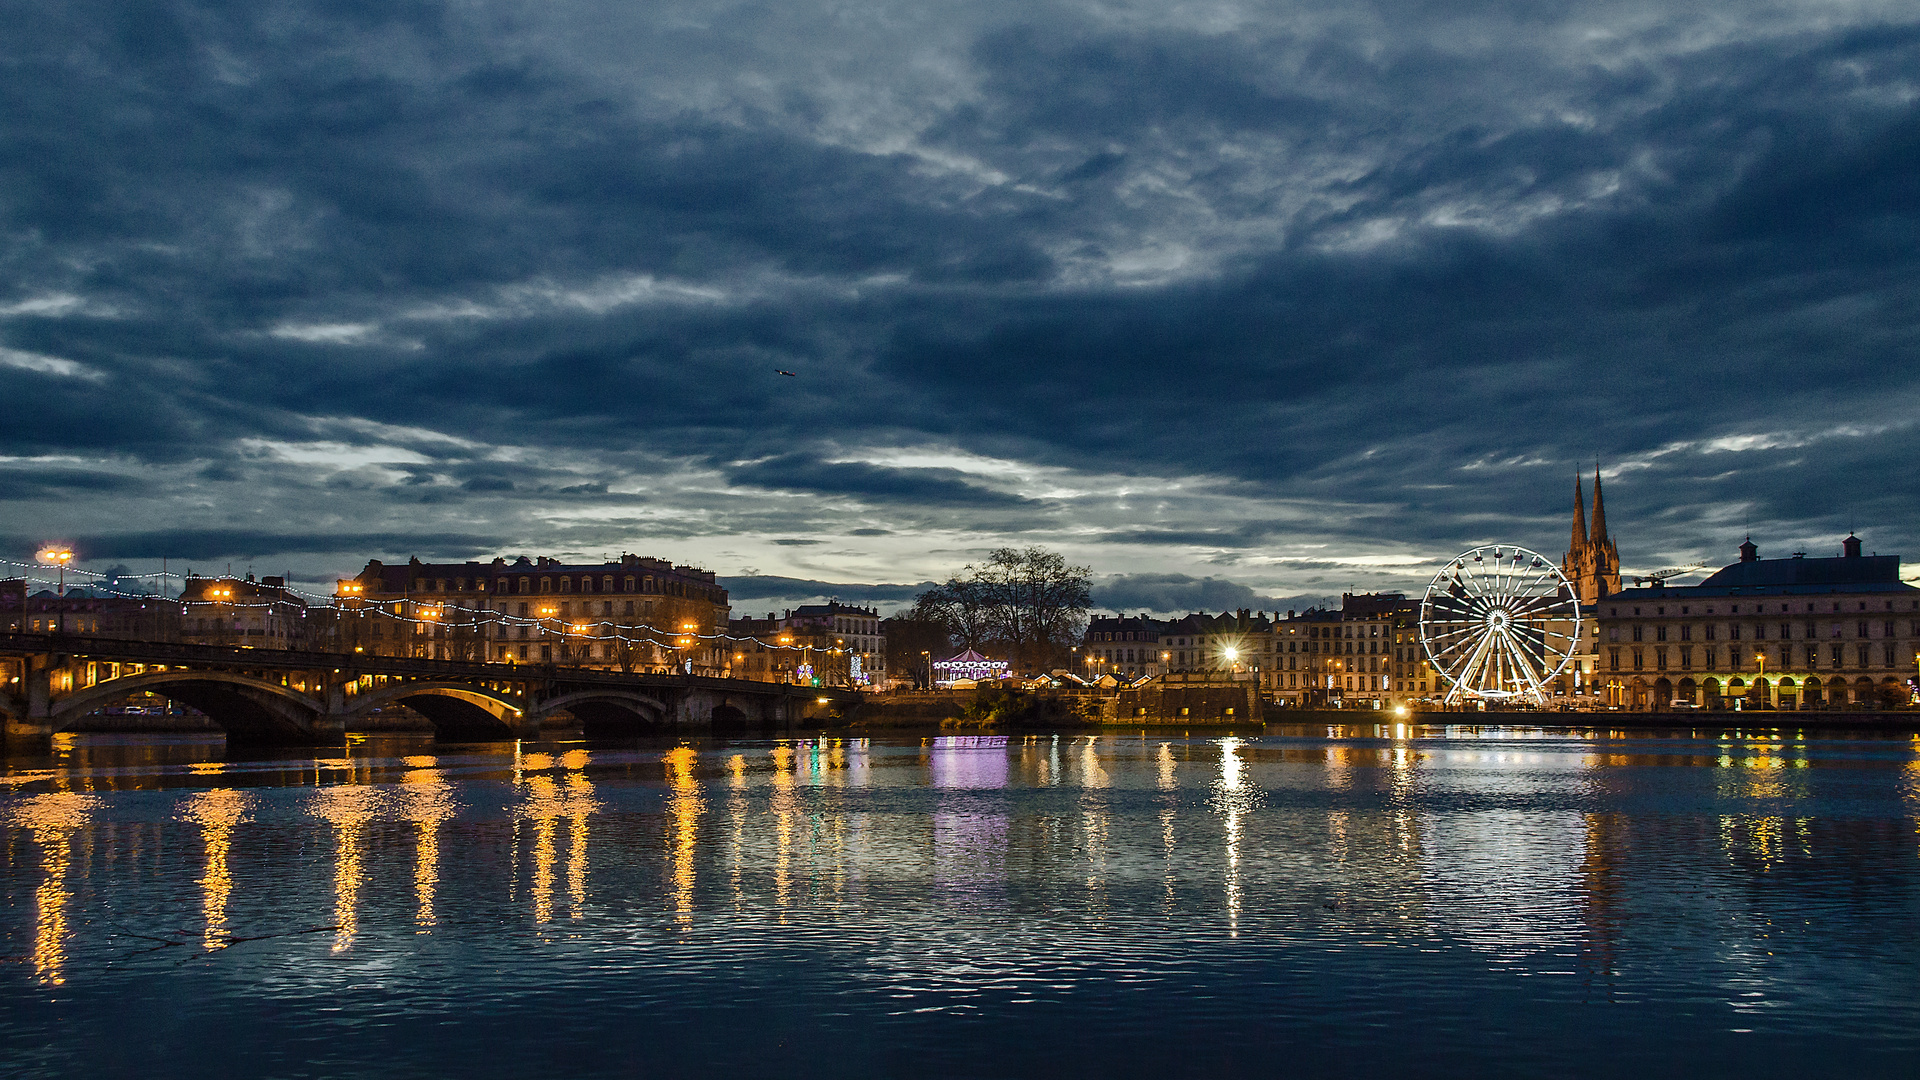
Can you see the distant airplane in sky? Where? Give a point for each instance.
(783, 371)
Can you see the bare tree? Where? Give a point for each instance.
(1028, 600)
(1038, 602)
(963, 605)
(914, 643)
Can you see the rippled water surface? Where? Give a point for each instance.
(1301, 902)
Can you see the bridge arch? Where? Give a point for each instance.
(247, 708)
(459, 712)
(611, 713)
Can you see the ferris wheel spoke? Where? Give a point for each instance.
(1473, 671)
(1535, 675)
(1526, 664)
(1535, 603)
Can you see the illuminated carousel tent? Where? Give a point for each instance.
(969, 666)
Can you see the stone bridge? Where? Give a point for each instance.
(49, 681)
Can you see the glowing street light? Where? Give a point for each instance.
(58, 555)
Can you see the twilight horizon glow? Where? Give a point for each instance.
(1239, 304)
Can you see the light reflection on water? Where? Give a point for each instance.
(1313, 887)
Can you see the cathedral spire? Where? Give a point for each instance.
(1579, 520)
(1599, 513)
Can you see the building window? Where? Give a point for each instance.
(1660, 633)
(566, 584)
(1637, 632)
(1638, 660)
(1613, 659)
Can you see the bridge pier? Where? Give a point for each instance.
(29, 717)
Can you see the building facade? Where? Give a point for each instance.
(89, 611)
(1794, 633)
(831, 644)
(637, 614)
(259, 614)
(1126, 647)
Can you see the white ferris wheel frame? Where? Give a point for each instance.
(1488, 624)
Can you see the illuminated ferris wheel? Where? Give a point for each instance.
(1499, 623)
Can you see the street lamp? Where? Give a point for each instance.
(59, 555)
(429, 618)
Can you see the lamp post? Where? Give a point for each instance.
(546, 612)
(1766, 698)
(686, 646)
(59, 555)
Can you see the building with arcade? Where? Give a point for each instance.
(1793, 633)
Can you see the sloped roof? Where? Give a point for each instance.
(1858, 570)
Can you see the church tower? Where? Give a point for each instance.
(1592, 563)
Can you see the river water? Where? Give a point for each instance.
(1306, 901)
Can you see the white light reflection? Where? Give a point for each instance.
(1234, 796)
(1168, 811)
(1510, 883)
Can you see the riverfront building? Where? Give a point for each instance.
(1126, 647)
(87, 611)
(1794, 633)
(637, 614)
(831, 644)
(1367, 653)
(259, 614)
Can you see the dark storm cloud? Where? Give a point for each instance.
(874, 483)
(24, 484)
(1181, 593)
(447, 275)
(766, 587)
(239, 543)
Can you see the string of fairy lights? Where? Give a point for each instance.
(435, 610)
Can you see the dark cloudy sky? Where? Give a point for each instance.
(1234, 302)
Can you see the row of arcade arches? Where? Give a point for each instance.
(1784, 692)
